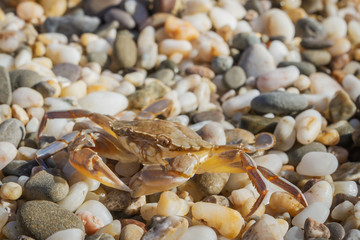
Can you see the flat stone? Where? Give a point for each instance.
(41, 219)
(309, 27)
(102, 58)
(46, 185)
(297, 152)
(19, 168)
(125, 51)
(123, 18)
(23, 78)
(279, 103)
(256, 124)
(221, 64)
(316, 43)
(13, 131)
(67, 70)
(317, 57)
(235, 77)
(305, 68)
(341, 107)
(5, 86)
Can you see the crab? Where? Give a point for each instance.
(170, 153)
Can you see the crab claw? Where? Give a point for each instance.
(88, 163)
(154, 178)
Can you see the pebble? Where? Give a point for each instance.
(351, 85)
(54, 8)
(341, 46)
(256, 124)
(117, 200)
(235, 77)
(173, 46)
(337, 231)
(7, 153)
(256, 60)
(309, 27)
(131, 231)
(125, 51)
(314, 229)
(326, 163)
(221, 18)
(277, 23)
(75, 197)
(97, 210)
(122, 17)
(317, 57)
(242, 41)
(285, 133)
(179, 29)
(23, 78)
(238, 103)
(60, 53)
(341, 107)
(30, 11)
(315, 43)
(212, 183)
(171, 227)
(93, 7)
(294, 233)
(104, 102)
(265, 228)
(19, 167)
(345, 131)
(100, 236)
(12, 131)
(215, 215)
(46, 185)
(345, 187)
(353, 234)
(45, 89)
(72, 233)
(10, 191)
(41, 219)
(317, 211)
(67, 70)
(320, 192)
(304, 67)
(213, 133)
(199, 232)
(5, 87)
(281, 77)
(308, 126)
(282, 202)
(27, 97)
(76, 89)
(171, 205)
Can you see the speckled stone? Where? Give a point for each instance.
(13, 131)
(5, 86)
(117, 200)
(256, 123)
(67, 70)
(305, 68)
(341, 107)
(296, 153)
(279, 103)
(46, 185)
(314, 229)
(212, 183)
(41, 219)
(125, 51)
(23, 78)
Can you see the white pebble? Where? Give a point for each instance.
(22, 58)
(27, 97)
(78, 177)
(97, 209)
(317, 211)
(32, 125)
(278, 50)
(320, 192)
(322, 83)
(346, 187)
(6, 60)
(354, 31)
(125, 88)
(221, 18)
(317, 164)
(308, 126)
(59, 53)
(278, 23)
(351, 85)
(104, 102)
(199, 232)
(99, 45)
(238, 103)
(7, 153)
(270, 161)
(171, 46)
(75, 197)
(342, 210)
(200, 21)
(188, 102)
(285, 133)
(72, 233)
(136, 78)
(278, 78)
(294, 233)
(335, 27)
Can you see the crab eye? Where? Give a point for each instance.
(163, 141)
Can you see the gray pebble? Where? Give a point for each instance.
(117, 200)
(314, 229)
(102, 58)
(337, 231)
(316, 43)
(140, 99)
(296, 153)
(19, 167)
(67, 70)
(5, 86)
(169, 64)
(235, 77)
(212, 183)
(256, 123)
(317, 57)
(123, 18)
(349, 171)
(353, 234)
(345, 131)
(136, 9)
(46, 185)
(99, 236)
(24, 78)
(165, 75)
(305, 68)
(41, 219)
(71, 24)
(242, 41)
(12, 130)
(212, 115)
(45, 89)
(342, 197)
(341, 107)
(96, 7)
(309, 27)
(125, 51)
(221, 64)
(279, 103)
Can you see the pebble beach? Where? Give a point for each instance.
(231, 68)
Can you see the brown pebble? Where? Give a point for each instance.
(314, 229)
(201, 70)
(127, 221)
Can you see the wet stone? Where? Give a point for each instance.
(212, 183)
(102, 58)
(309, 27)
(235, 77)
(123, 18)
(297, 152)
(341, 107)
(165, 75)
(279, 103)
(117, 200)
(23, 78)
(67, 70)
(317, 57)
(242, 41)
(256, 124)
(13, 131)
(221, 64)
(100, 236)
(305, 68)
(46, 185)
(212, 115)
(316, 43)
(5, 87)
(337, 231)
(45, 89)
(41, 219)
(314, 229)
(125, 51)
(19, 168)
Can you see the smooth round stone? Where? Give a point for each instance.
(221, 64)
(315, 43)
(256, 60)
(213, 132)
(7, 153)
(278, 78)
(294, 233)
(270, 161)
(236, 104)
(305, 68)
(122, 17)
(309, 27)
(75, 197)
(278, 23)
(346, 187)
(24, 78)
(235, 77)
(341, 46)
(320, 192)
(279, 103)
(317, 211)
(97, 209)
(46, 185)
(125, 51)
(94, 7)
(317, 164)
(62, 53)
(77, 90)
(278, 50)
(12, 130)
(200, 21)
(221, 18)
(242, 41)
(72, 233)
(335, 27)
(104, 102)
(199, 232)
(351, 85)
(54, 8)
(317, 57)
(164, 75)
(308, 126)
(67, 70)
(265, 228)
(188, 102)
(42, 219)
(321, 83)
(10, 191)
(354, 31)
(27, 97)
(9, 41)
(171, 46)
(337, 231)
(131, 231)
(29, 11)
(102, 58)
(212, 183)
(5, 87)
(285, 133)
(341, 107)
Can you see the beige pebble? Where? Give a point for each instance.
(30, 11)
(77, 89)
(54, 8)
(52, 38)
(113, 229)
(170, 204)
(5, 112)
(27, 97)
(26, 153)
(328, 137)
(10, 191)
(20, 114)
(341, 46)
(148, 210)
(281, 202)
(131, 232)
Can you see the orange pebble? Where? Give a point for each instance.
(180, 29)
(96, 88)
